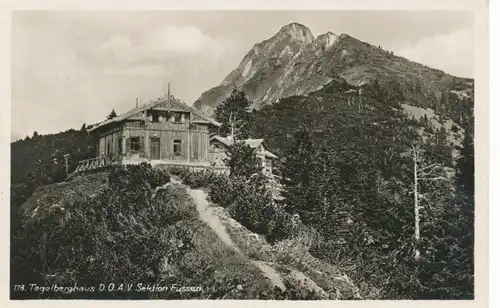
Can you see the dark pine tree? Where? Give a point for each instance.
(466, 202)
(233, 113)
(112, 114)
(465, 165)
(242, 160)
(296, 172)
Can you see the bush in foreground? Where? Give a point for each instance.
(117, 233)
(249, 201)
(127, 230)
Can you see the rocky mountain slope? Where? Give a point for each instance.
(293, 62)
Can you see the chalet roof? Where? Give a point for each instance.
(266, 153)
(152, 104)
(253, 143)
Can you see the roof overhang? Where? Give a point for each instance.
(129, 114)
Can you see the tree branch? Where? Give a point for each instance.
(430, 166)
(427, 174)
(434, 179)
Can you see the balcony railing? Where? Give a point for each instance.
(92, 163)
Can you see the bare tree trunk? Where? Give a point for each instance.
(422, 172)
(417, 215)
(232, 126)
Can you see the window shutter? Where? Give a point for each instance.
(127, 142)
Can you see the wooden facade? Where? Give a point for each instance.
(165, 130)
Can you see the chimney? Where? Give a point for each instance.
(136, 102)
(168, 93)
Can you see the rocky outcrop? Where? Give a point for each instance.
(260, 66)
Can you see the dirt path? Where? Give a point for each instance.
(208, 216)
(212, 220)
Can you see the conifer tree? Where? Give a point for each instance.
(296, 171)
(465, 164)
(112, 114)
(242, 160)
(233, 113)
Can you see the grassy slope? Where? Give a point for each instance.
(292, 260)
(59, 193)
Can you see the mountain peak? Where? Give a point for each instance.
(298, 32)
(326, 40)
(347, 37)
(294, 25)
(292, 62)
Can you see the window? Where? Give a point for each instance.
(120, 146)
(178, 117)
(135, 144)
(135, 124)
(199, 127)
(156, 116)
(177, 148)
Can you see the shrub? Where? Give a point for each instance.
(242, 160)
(252, 207)
(296, 247)
(221, 190)
(131, 175)
(220, 185)
(249, 201)
(118, 233)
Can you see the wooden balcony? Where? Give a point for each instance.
(92, 163)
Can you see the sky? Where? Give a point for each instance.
(74, 67)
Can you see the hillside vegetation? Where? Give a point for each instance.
(39, 160)
(130, 225)
(347, 169)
